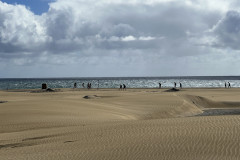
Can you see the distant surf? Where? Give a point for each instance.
(114, 82)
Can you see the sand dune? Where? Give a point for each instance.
(112, 124)
(203, 102)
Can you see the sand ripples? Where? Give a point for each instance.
(125, 125)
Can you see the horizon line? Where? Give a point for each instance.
(116, 77)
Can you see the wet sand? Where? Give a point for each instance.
(113, 124)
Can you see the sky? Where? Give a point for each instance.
(119, 38)
(36, 6)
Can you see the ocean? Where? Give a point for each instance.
(114, 82)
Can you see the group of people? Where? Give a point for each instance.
(89, 85)
(175, 85)
(122, 87)
(227, 85)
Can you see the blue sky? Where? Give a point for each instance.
(36, 6)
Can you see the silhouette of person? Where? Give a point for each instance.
(180, 85)
(175, 84)
(88, 85)
(225, 85)
(229, 85)
(160, 85)
(120, 87)
(124, 87)
(75, 85)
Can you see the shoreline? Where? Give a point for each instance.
(187, 88)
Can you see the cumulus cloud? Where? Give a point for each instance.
(19, 27)
(127, 33)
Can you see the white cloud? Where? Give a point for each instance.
(148, 38)
(19, 26)
(128, 38)
(120, 33)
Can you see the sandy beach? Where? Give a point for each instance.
(112, 124)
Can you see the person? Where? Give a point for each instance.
(181, 85)
(229, 85)
(83, 85)
(225, 85)
(160, 85)
(175, 84)
(120, 87)
(88, 86)
(75, 85)
(124, 87)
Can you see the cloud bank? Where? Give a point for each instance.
(120, 38)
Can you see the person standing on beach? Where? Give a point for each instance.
(229, 85)
(160, 85)
(181, 85)
(124, 87)
(120, 87)
(225, 85)
(175, 84)
(75, 85)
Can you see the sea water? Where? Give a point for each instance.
(114, 82)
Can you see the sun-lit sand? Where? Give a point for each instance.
(112, 124)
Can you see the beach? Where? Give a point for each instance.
(192, 123)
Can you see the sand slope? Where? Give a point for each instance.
(112, 124)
